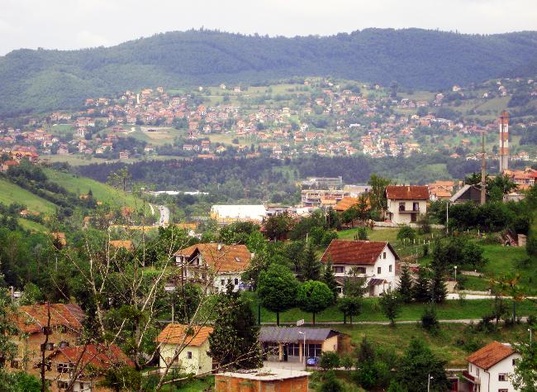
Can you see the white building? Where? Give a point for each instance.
(373, 261)
(226, 214)
(405, 203)
(490, 369)
(213, 266)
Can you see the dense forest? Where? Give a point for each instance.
(271, 180)
(42, 80)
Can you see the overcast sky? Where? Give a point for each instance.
(76, 24)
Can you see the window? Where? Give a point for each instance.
(416, 206)
(189, 354)
(390, 268)
(236, 281)
(15, 364)
(379, 270)
(338, 269)
(62, 384)
(514, 362)
(222, 282)
(401, 206)
(360, 270)
(64, 344)
(502, 377)
(64, 367)
(503, 390)
(384, 255)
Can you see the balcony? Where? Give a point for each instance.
(469, 377)
(403, 210)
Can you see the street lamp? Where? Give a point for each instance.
(170, 288)
(455, 267)
(304, 348)
(429, 378)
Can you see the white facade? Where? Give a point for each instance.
(406, 211)
(379, 277)
(226, 214)
(492, 370)
(191, 359)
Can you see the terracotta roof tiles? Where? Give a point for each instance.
(490, 355)
(175, 334)
(355, 252)
(224, 258)
(407, 192)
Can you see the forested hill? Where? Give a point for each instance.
(41, 80)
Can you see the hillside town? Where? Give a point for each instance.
(318, 117)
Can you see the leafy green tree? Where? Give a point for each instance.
(277, 289)
(406, 233)
(331, 383)
(390, 304)
(525, 375)
(371, 372)
(314, 297)
(405, 289)
(234, 340)
(377, 196)
(350, 306)
(419, 367)
(329, 360)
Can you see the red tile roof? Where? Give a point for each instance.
(32, 318)
(407, 192)
(490, 355)
(223, 258)
(355, 252)
(99, 356)
(175, 334)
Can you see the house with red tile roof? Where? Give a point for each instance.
(373, 262)
(405, 203)
(43, 327)
(83, 367)
(185, 348)
(490, 368)
(213, 265)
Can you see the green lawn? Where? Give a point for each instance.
(11, 193)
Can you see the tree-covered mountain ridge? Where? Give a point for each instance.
(42, 80)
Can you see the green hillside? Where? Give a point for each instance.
(11, 193)
(101, 192)
(43, 80)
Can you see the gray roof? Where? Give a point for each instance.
(291, 335)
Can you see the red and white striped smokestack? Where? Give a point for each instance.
(504, 141)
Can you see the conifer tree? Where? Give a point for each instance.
(234, 341)
(405, 285)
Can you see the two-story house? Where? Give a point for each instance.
(213, 266)
(405, 203)
(374, 262)
(44, 327)
(490, 369)
(83, 368)
(185, 348)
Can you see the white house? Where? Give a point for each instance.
(490, 368)
(213, 265)
(373, 261)
(185, 348)
(405, 203)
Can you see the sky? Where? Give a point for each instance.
(78, 24)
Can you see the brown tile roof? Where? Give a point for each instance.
(175, 334)
(98, 356)
(223, 258)
(32, 318)
(346, 203)
(490, 355)
(407, 192)
(355, 252)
